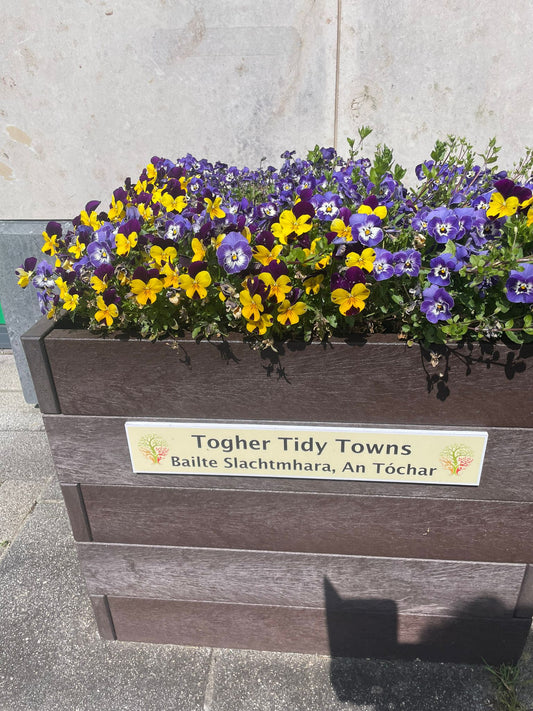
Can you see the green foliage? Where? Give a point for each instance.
(507, 681)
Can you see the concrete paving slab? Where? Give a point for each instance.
(301, 683)
(51, 657)
(52, 491)
(25, 456)
(17, 414)
(17, 498)
(9, 377)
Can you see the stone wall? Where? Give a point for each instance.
(91, 89)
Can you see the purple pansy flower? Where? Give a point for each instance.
(519, 286)
(441, 268)
(437, 304)
(407, 262)
(43, 278)
(383, 265)
(234, 253)
(366, 228)
(327, 206)
(420, 220)
(99, 253)
(443, 225)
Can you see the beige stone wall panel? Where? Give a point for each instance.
(417, 70)
(91, 89)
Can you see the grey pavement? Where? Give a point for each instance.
(51, 657)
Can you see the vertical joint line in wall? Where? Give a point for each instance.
(337, 65)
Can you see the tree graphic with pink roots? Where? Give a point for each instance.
(456, 457)
(153, 448)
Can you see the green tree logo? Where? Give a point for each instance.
(153, 448)
(456, 457)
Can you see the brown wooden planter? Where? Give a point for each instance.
(346, 568)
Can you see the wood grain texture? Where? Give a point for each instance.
(37, 358)
(524, 605)
(342, 633)
(77, 513)
(298, 579)
(374, 381)
(94, 450)
(312, 523)
(102, 614)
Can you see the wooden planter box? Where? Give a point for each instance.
(346, 568)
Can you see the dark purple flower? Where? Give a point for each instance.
(407, 262)
(519, 286)
(443, 225)
(383, 265)
(441, 268)
(234, 253)
(437, 304)
(507, 188)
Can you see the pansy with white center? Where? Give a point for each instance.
(234, 253)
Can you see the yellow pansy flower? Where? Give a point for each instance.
(502, 207)
(77, 249)
(252, 306)
(177, 204)
(126, 242)
(63, 288)
(380, 211)
(98, 285)
(198, 250)
(348, 300)
(365, 260)
(279, 287)
(116, 211)
(213, 207)
(160, 255)
(90, 220)
(145, 292)
(343, 231)
(195, 286)
(105, 311)
(70, 301)
(264, 255)
(313, 283)
(290, 313)
(260, 325)
(288, 224)
(50, 244)
(171, 280)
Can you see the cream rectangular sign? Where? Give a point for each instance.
(359, 454)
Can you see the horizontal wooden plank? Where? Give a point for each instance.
(94, 450)
(340, 633)
(339, 382)
(313, 523)
(299, 580)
